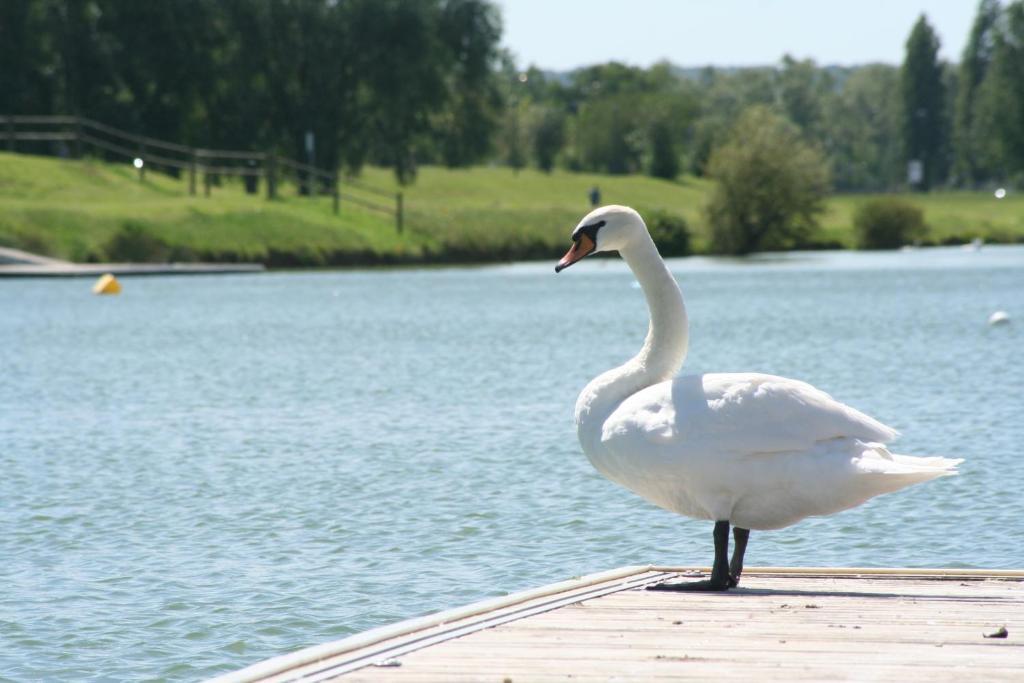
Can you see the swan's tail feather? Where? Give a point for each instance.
(898, 470)
(947, 466)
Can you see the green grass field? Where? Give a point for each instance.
(94, 211)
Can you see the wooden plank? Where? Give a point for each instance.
(703, 673)
(802, 625)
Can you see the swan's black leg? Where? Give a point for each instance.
(720, 579)
(739, 536)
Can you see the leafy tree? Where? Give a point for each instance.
(608, 80)
(548, 136)
(608, 136)
(86, 80)
(400, 65)
(924, 105)
(664, 157)
(770, 188)
(28, 56)
(159, 54)
(723, 97)
(513, 137)
(1001, 100)
(861, 128)
(968, 133)
(803, 90)
(470, 31)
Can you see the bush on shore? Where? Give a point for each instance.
(888, 223)
(670, 232)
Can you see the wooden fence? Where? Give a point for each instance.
(73, 133)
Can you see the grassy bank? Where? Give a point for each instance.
(92, 211)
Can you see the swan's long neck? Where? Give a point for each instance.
(663, 351)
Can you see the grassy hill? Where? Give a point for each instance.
(94, 211)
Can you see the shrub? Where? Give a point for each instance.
(670, 232)
(888, 223)
(134, 243)
(770, 188)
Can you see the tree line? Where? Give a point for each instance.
(390, 82)
(407, 82)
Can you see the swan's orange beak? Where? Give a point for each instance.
(580, 248)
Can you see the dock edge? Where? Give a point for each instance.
(475, 616)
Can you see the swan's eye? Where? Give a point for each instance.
(589, 230)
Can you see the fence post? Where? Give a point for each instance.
(78, 138)
(192, 172)
(399, 211)
(336, 191)
(270, 169)
(10, 134)
(142, 158)
(206, 182)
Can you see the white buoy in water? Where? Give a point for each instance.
(999, 318)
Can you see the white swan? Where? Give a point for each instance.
(751, 450)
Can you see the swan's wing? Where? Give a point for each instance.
(734, 413)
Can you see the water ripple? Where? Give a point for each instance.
(205, 472)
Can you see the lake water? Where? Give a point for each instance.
(207, 471)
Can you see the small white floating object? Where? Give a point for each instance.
(999, 318)
(106, 284)
(1000, 193)
(973, 245)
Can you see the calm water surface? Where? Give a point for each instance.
(207, 471)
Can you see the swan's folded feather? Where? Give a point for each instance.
(728, 413)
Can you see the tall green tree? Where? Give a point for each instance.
(968, 130)
(470, 31)
(548, 136)
(724, 96)
(803, 92)
(160, 55)
(1001, 105)
(513, 137)
(86, 75)
(862, 130)
(28, 58)
(664, 161)
(924, 121)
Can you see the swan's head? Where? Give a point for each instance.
(610, 228)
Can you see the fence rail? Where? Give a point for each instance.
(210, 163)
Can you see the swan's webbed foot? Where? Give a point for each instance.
(723, 575)
(706, 586)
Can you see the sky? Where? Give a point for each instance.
(560, 35)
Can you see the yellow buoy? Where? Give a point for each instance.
(107, 284)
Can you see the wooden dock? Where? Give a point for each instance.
(17, 263)
(120, 269)
(781, 624)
